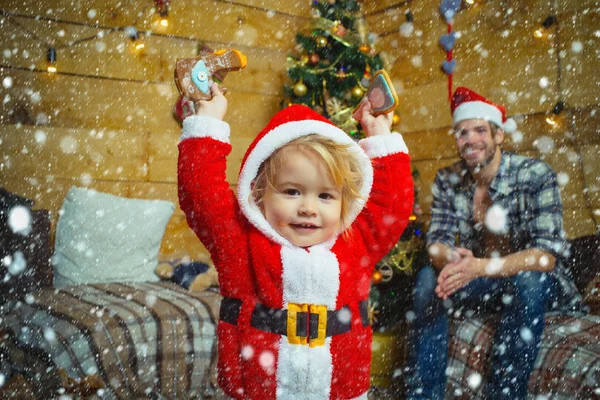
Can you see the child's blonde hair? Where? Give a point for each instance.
(342, 164)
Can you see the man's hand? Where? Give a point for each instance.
(458, 273)
(373, 126)
(215, 107)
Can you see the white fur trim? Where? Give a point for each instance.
(510, 125)
(304, 373)
(383, 145)
(477, 110)
(205, 126)
(277, 138)
(310, 277)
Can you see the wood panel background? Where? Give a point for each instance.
(105, 119)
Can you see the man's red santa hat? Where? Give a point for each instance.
(466, 104)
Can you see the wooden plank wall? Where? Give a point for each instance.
(104, 120)
(498, 56)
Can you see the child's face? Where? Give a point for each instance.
(305, 206)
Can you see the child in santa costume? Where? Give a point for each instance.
(295, 250)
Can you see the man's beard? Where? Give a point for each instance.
(490, 152)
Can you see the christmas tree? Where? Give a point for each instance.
(330, 70)
(333, 63)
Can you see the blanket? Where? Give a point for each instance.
(144, 340)
(567, 366)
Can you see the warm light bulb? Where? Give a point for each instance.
(538, 33)
(550, 120)
(164, 22)
(412, 218)
(470, 2)
(51, 58)
(139, 46)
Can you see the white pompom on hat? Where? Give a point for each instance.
(466, 104)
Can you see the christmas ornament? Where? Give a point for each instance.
(300, 89)
(387, 273)
(448, 8)
(357, 92)
(339, 29)
(447, 41)
(373, 313)
(377, 277)
(304, 59)
(321, 41)
(395, 119)
(314, 58)
(365, 48)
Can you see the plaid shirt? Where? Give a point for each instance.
(527, 192)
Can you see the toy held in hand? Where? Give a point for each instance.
(194, 76)
(381, 95)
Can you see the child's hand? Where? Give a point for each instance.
(373, 126)
(215, 107)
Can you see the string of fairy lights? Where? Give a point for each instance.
(543, 31)
(161, 11)
(546, 30)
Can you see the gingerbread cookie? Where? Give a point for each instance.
(381, 94)
(194, 76)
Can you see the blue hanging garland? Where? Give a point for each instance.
(449, 8)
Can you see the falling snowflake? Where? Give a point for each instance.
(474, 380)
(247, 352)
(576, 47)
(494, 267)
(68, 145)
(417, 61)
(267, 361)
(406, 29)
(526, 334)
(562, 178)
(19, 220)
(7, 82)
(544, 144)
(496, 219)
(40, 137)
(50, 335)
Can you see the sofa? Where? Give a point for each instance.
(146, 338)
(122, 338)
(568, 363)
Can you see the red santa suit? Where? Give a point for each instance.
(293, 321)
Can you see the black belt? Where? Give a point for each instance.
(307, 318)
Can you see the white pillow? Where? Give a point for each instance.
(105, 238)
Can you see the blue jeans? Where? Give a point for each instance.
(520, 300)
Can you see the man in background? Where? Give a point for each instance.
(495, 243)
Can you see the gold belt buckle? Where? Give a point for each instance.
(292, 324)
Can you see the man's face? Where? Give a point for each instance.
(476, 143)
